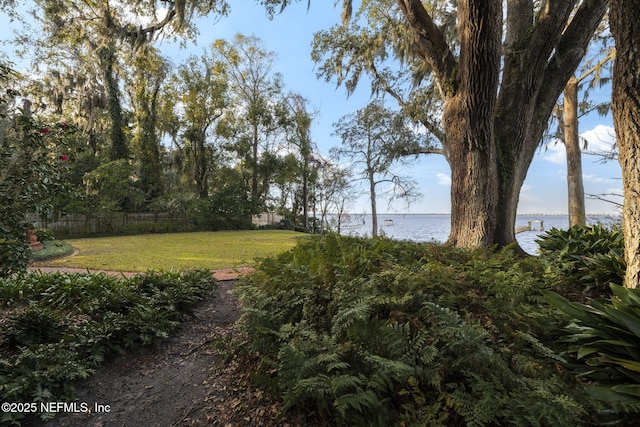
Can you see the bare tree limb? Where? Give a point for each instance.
(603, 198)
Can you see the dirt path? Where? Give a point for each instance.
(185, 381)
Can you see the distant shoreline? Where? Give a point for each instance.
(447, 214)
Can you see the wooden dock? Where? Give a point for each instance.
(533, 225)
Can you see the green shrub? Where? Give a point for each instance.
(34, 156)
(61, 326)
(22, 288)
(52, 249)
(378, 332)
(35, 325)
(604, 337)
(44, 235)
(590, 255)
(40, 373)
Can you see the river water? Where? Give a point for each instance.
(436, 227)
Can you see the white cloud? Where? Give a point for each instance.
(599, 139)
(617, 190)
(130, 14)
(555, 153)
(616, 194)
(443, 179)
(594, 179)
(528, 195)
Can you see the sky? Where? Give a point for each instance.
(290, 36)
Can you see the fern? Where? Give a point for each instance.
(361, 401)
(377, 332)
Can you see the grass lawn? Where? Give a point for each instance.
(179, 251)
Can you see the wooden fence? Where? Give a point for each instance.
(146, 222)
(116, 223)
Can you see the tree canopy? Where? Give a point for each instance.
(370, 140)
(491, 80)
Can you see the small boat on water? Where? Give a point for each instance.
(388, 222)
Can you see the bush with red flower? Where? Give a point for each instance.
(33, 155)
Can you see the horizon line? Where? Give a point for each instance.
(448, 213)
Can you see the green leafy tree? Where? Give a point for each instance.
(285, 182)
(199, 93)
(498, 78)
(150, 73)
(300, 138)
(70, 89)
(33, 156)
(256, 127)
(111, 190)
(362, 47)
(231, 196)
(369, 142)
(335, 192)
(105, 30)
(65, 95)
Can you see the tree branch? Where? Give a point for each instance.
(421, 150)
(570, 50)
(611, 55)
(153, 28)
(431, 127)
(604, 199)
(431, 45)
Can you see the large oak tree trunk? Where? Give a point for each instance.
(468, 124)
(473, 198)
(625, 27)
(492, 130)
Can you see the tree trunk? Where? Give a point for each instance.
(473, 200)
(374, 209)
(148, 145)
(201, 166)
(254, 166)
(531, 85)
(305, 194)
(119, 149)
(473, 185)
(577, 212)
(468, 124)
(624, 17)
(492, 130)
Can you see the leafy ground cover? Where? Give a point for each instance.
(591, 256)
(52, 249)
(349, 331)
(58, 328)
(179, 251)
(377, 332)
